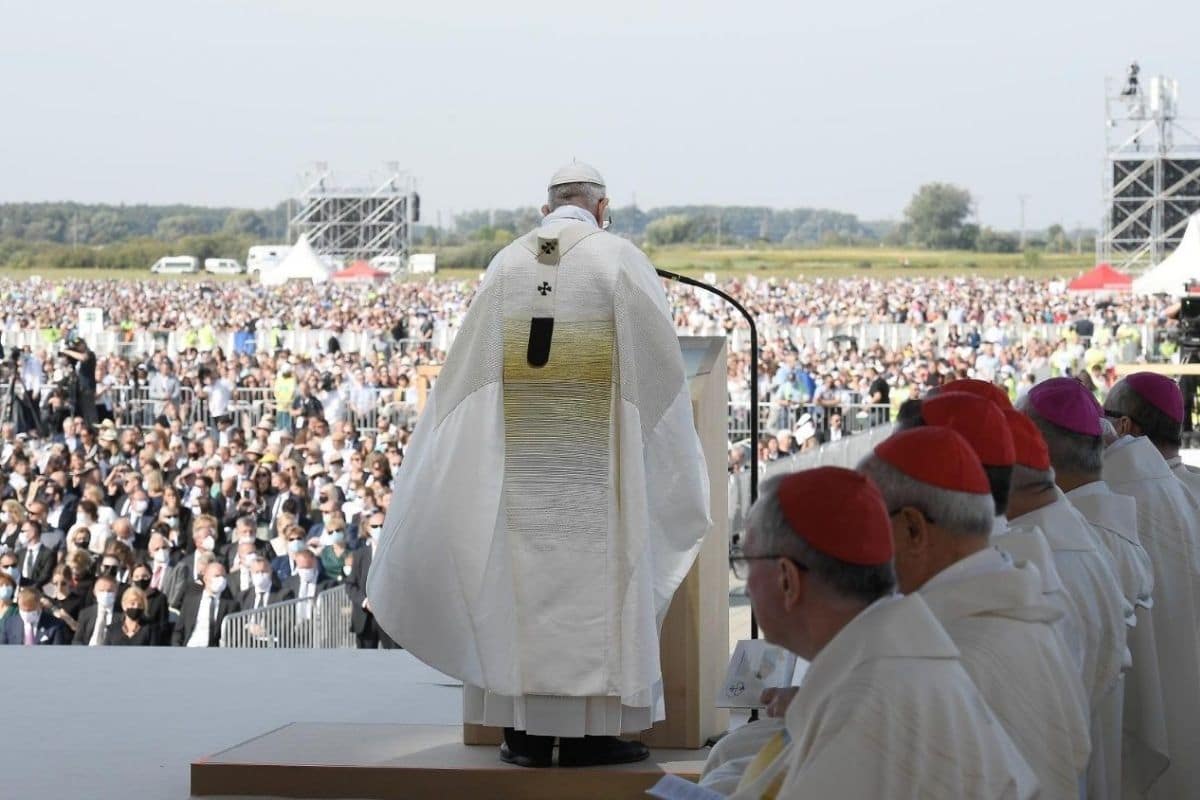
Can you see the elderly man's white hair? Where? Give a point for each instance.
(584, 195)
(959, 513)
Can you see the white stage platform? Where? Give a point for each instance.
(118, 722)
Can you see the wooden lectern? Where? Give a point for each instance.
(695, 633)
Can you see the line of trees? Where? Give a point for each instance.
(49, 235)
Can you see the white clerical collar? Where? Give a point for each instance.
(987, 560)
(1124, 441)
(1089, 489)
(1174, 461)
(571, 212)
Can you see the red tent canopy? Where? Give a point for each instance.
(1102, 279)
(360, 271)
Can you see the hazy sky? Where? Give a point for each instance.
(846, 105)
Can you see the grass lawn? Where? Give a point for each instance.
(730, 262)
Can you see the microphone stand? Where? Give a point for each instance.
(676, 277)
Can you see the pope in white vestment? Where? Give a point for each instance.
(1168, 525)
(554, 495)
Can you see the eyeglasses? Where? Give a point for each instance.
(739, 562)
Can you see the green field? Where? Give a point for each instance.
(730, 262)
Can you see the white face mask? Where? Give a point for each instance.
(160, 555)
(30, 617)
(261, 580)
(14, 573)
(106, 599)
(208, 543)
(218, 584)
(6, 593)
(139, 506)
(307, 575)
(4, 518)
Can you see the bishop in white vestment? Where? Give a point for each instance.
(978, 416)
(992, 609)
(554, 495)
(1169, 529)
(885, 709)
(1068, 416)
(1092, 585)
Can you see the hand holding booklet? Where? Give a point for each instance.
(756, 665)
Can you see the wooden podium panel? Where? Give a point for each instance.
(398, 762)
(694, 639)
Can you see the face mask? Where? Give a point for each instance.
(6, 593)
(135, 614)
(218, 584)
(346, 570)
(261, 581)
(160, 555)
(307, 575)
(295, 545)
(14, 573)
(173, 522)
(139, 506)
(83, 519)
(143, 584)
(337, 537)
(23, 539)
(30, 617)
(376, 530)
(208, 544)
(106, 599)
(246, 540)
(4, 518)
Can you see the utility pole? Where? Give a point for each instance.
(1022, 198)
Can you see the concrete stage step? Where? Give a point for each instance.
(394, 762)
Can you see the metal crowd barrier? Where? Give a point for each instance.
(134, 406)
(846, 452)
(774, 415)
(320, 622)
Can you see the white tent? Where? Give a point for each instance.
(301, 264)
(1177, 269)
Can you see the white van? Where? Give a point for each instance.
(222, 266)
(264, 255)
(388, 264)
(169, 264)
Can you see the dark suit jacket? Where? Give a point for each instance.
(87, 624)
(246, 598)
(47, 631)
(186, 624)
(43, 567)
(290, 589)
(356, 588)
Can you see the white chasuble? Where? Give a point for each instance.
(1168, 525)
(996, 616)
(886, 710)
(554, 494)
(1189, 476)
(1092, 585)
(1027, 544)
(1113, 518)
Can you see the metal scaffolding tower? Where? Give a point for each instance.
(1151, 173)
(352, 223)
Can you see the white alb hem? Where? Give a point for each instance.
(558, 715)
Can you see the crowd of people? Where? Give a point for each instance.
(121, 466)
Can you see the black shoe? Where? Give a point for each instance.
(523, 750)
(592, 751)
